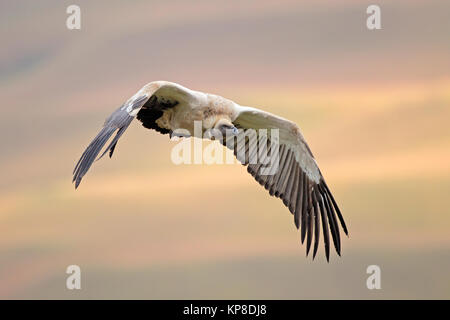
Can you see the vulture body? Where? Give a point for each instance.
(170, 108)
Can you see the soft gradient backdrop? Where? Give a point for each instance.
(373, 105)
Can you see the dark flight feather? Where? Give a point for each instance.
(113, 143)
(303, 209)
(316, 222)
(287, 193)
(341, 218)
(88, 156)
(294, 195)
(118, 120)
(308, 201)
(333, 223)
(326, 236)
(309, 232)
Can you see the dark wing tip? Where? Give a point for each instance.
(118, 120)
(338, 211)
(77, 183)
(111, 151)
(89, 155)
(309, 201)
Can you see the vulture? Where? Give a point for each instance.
(170, 108)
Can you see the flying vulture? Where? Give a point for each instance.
(168, 107)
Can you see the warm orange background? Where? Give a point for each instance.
(373, 105)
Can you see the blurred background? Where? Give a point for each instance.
(373, 105)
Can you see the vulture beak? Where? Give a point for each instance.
(234, 131)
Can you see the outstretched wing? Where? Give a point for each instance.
(298, 180)
(148, 105)
(118, 121)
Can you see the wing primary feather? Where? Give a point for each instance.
(118, 120)
(326, 236)
(81, 158)
(306, 207)
(111, 151)
(332, 227)
(113, 143)
(299, 202)
(303, 208)
(316, 222)
(341, 218)
(93, 150)
(309, 234)
(333, 223)
(293, 204)
(88, 157)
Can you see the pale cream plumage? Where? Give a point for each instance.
(168, 107)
